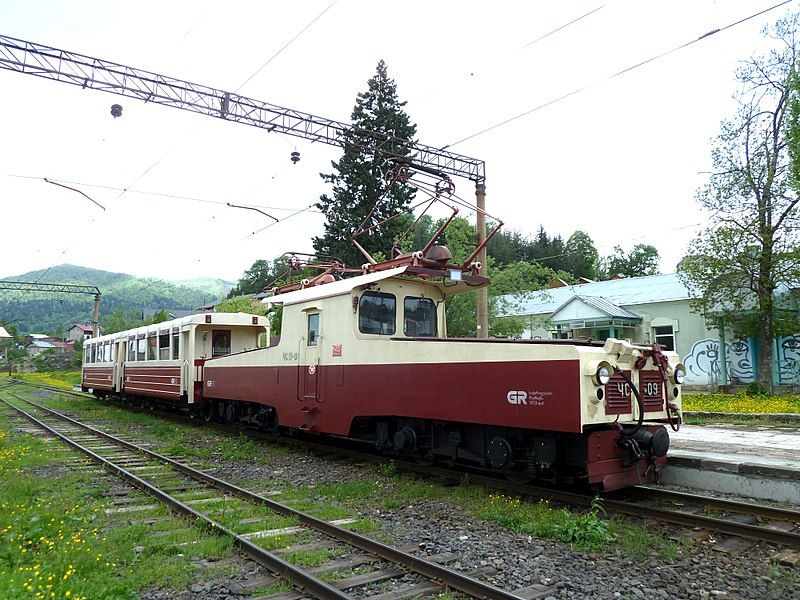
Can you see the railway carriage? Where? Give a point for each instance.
(160, 362)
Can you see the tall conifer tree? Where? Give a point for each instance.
(359, 176)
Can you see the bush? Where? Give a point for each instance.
(756, 389)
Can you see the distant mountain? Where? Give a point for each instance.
(44, 312)
(218, 288)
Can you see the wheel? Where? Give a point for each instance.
(208, 412)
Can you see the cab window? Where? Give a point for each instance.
(220, 342)
(419, 317)
(313, 329)
(376, 313)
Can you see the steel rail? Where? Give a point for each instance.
(300, 578)
(623, 507)
(735, 506)
(431, 570)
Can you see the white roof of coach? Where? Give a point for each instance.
(345, 286)
(199, 319)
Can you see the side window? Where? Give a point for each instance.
(376, 313)
(313, 329)
(419, 317)
(85, 354)
(107, 352)
(163, 346)
(131, 350)
(152, 342)
(664, 336)
(113, 352)
(141, 345)
(220, 342)
(94, 354)
(176, 337)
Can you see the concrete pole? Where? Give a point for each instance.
(483, 293)
(96, 316)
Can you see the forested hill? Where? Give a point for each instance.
(43, 312)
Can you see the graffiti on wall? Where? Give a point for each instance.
(703, 362)
(788, 350)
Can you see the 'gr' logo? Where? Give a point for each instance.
(517, 397)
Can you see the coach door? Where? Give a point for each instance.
(118, 356)
(308, 376)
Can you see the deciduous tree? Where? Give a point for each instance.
(749, 254)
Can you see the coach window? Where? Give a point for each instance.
(152, 344)
(313, 329)
(113, 352)
(419, 317)
(141, 346)
(93, 350)
(107, 352)
(176, 337)
(131, 350)
(377, 313)
(163, 346)
(665, 337)
(220, 342)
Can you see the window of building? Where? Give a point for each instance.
(141, 346)
(163, 346)
(313, 329)
(176, 337)
(664, 336)
(377, 313)
(419, 317)
(220, 342)
(152, 343)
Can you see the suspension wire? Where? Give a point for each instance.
(564, 26)
(617, 74)
(286, 45)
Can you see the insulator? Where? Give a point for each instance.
(417, 255)
(116, 110)
(295, 157)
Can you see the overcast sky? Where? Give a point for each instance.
(620, 160)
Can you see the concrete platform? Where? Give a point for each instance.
(758, 462)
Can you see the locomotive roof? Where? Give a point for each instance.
(199, 319)
(345, 286)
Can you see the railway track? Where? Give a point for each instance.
(195, 494)
(739, 519)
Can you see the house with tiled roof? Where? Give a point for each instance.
(80, 331)
(650, 309)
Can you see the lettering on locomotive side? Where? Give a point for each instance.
(211, 383)
(624, 388)
(532, 398)
(291, 355)
(652, 388)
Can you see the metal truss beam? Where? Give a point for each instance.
(94, 73)
(56, 288)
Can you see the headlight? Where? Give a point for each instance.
(603, 373)
(679, 375)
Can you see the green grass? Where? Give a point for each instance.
(57, 541)
(65, 379)
(742, 403)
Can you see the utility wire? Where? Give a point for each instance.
(557, 29)
(147, 193)
(617, 74)
(286, 45)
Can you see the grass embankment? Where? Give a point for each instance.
(383, 488)
(56, 540)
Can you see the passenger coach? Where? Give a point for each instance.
(161, 361)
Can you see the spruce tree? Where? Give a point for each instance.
(359, 176)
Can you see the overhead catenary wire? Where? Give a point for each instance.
(257, 71)
(617, 74)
